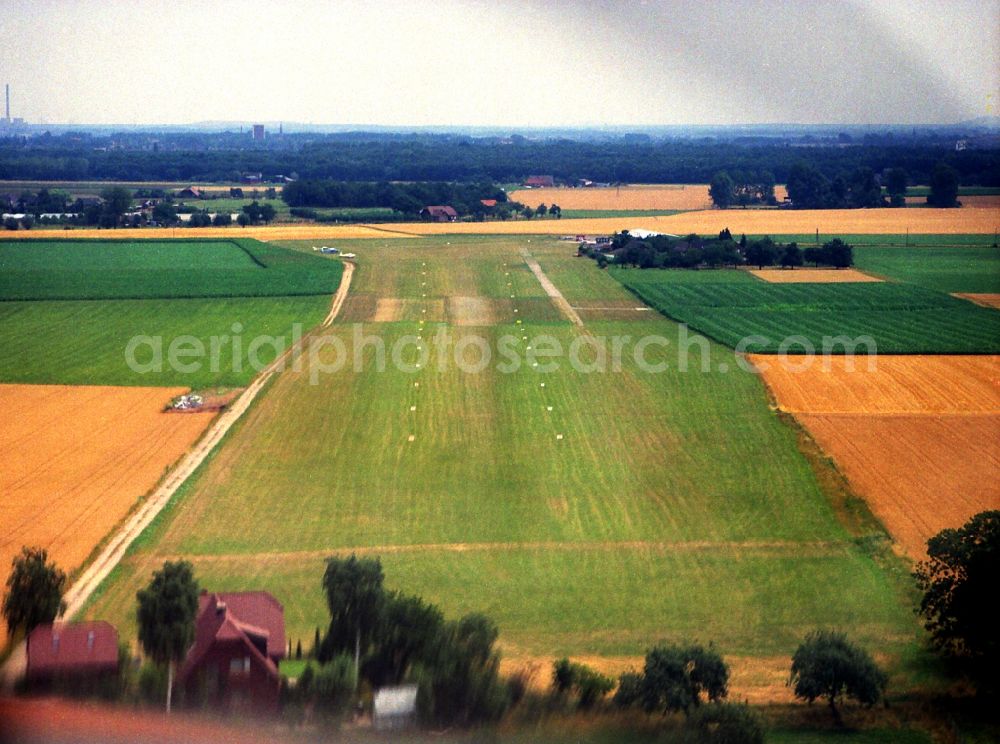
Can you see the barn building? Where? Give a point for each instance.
(72, 651)
(439, 214)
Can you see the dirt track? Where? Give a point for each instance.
(918, 437)
(551, 289)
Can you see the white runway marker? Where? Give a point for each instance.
(410, 438)
(558, 436)
(548, 408)
(413, 408)
(416, 384)
(543, 384)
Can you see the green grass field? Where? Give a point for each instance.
(642, 506)
(149, 269)
(84, 342)
(732, 306)
(233, 291)
(973, 269)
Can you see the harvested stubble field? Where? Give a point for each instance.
(918, 437)
(813, 276)
(665, 197)
(589, 514)
(75, 460)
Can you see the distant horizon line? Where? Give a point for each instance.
(305, 127)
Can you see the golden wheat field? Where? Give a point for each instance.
(749, 221)
(918, 437)
(75, 459)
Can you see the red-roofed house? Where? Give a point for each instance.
(488, 202)
(191, 192)
(539, 182)
(439, 214)
(72, 650)
(239, 639)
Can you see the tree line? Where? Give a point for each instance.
(694, 252)
(427, 157)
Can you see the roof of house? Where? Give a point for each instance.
(72, 647)
(255, 619)
(488, 202)
(439, 211)
(193, 190)
(539, 181)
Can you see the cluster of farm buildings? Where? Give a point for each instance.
(233, 664)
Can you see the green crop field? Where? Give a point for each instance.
(84, 342)
(731, 307)
(225, 204)
(973, 269)
(148, 269)
(191, 293)
(587, 512)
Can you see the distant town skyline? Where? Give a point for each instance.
(529, 63)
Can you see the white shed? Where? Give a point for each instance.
(395, 707)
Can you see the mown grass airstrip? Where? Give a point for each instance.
(592, 515)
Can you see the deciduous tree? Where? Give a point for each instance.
(829, 666)
(166, 614)
(354, 596)
(34, 591)
(959, 580)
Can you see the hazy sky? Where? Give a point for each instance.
(514, 63)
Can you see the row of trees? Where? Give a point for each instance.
(693, 251)
(407, 198)
(809, 188)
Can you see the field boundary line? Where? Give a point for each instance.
(551, 289)
(114, 551)
(789, 546)
(378, 228)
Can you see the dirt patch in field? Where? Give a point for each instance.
(812, 276)
(358, 308)
(477, 311)
(75, 460)
(918, 437)
(390, 309)
(986, 300)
